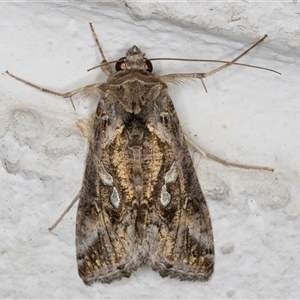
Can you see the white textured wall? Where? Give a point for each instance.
(248, 116)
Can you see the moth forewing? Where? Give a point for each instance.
(140, 201)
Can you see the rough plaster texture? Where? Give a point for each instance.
(248, 116)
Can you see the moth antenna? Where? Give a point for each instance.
(228, 63)
(195, 60)
(216, 61)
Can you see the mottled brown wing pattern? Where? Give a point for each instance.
(107, 248)
(140, 201)
(183, 245)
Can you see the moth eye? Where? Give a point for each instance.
(149, 65)
(120, 65)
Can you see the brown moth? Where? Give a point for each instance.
(141, 202)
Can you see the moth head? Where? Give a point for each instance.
(134, 60)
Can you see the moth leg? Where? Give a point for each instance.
(106, 69)
(223, 162)
(63, 95)
(65, 211)
(89, 89)
(178, 77)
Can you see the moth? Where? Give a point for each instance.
(140, 202)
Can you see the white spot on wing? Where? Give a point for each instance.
(114, 198)
(171, 177)
(105, 177)
(165, 196)
(172, 174)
